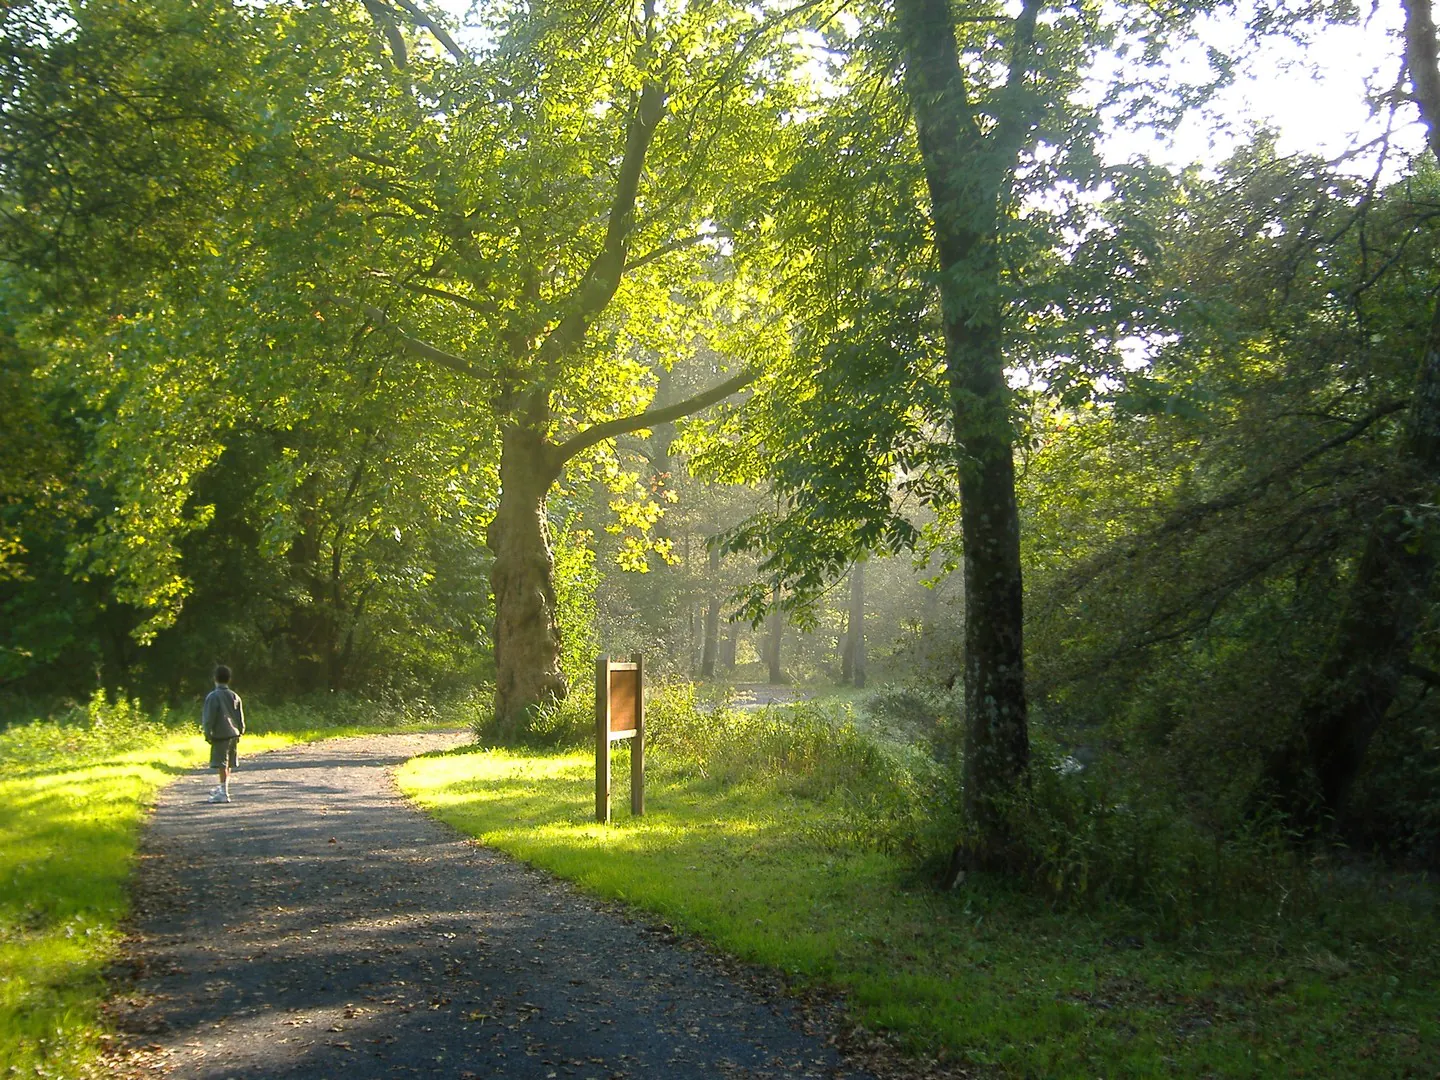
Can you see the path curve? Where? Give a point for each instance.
(319, 926)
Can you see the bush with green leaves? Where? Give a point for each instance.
(102, 726)
(880, 795)
(1097, 835)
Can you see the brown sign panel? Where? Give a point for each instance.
(624, 698)
(619, 714)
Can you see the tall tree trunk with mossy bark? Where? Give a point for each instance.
(968, 170)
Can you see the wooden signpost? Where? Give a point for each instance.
(619, 714)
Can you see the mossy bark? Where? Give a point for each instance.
(522, 579)
(968, 164)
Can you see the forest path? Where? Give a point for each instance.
(319, 926)
(763, 695)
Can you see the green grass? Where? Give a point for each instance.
(775, 872)
(73, 797)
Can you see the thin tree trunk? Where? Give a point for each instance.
(527, 636)
(772, 644)
(712, 618)
(855, 639)
(966, 171)
(730, 647)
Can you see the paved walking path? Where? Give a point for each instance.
(318, 926)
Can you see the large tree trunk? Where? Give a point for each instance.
(966, 172)
(997, 740)
(527, 637)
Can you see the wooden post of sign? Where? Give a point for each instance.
(602, 740)
(637, 744)
(619, 714)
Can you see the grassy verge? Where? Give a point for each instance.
(73, 796)
(774, 863)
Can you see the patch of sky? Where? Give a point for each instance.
(1317, 86)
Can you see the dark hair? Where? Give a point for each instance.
(222, 673)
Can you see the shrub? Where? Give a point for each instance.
(80, 733)
(918, 710)
(569, 722)
(1101, 835)
(887, 797)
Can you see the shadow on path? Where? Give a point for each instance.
(318, 926)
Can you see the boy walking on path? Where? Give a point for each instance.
(223, 719)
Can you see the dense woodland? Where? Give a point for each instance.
(371, 353)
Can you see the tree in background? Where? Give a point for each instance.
(587, 165)
(1389, 594)
(167, 209)
(541, 215)
(852, 659)
(928, 212)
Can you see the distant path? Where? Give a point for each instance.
(318, 926)
(761, 695)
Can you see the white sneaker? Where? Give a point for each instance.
(216, 790)
(219, 796)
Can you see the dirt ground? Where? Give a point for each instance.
(319, 926)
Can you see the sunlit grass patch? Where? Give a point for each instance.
(776, 871)
(67, 841)
(73, 797)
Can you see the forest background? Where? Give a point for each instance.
(405, 367)
(814, 343)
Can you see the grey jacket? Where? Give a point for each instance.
(223, 716)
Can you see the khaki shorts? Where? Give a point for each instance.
(223, 755)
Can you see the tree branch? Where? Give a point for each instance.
(445, 294)
(1190, 516)
(666, 249)
(1245, 492)
(436, 30)
(414, 346)
(1423, 673)
(384, 20)
(602, 278)
(1010, 131)
(623, 425)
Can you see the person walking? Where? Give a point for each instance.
(223, 719)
